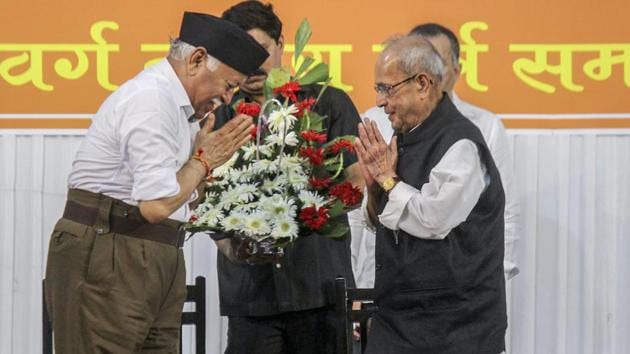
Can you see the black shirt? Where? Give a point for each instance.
(304, 278)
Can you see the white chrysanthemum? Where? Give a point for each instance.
(222, 173)
(292, 164)
(278, 206)
(264, 150)
(297, 180)
(249, 151)
(229, 198)
(233, 222)
(255, 224)
(276, 139)
(245, 208)
(246, 192)
(211, 217)
(309, 198)
(285, 227)
(281, 117)
(273, 185)
(224, 169)
(262, 166)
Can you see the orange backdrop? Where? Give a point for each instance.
(541, 64)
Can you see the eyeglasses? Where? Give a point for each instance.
(388, 90)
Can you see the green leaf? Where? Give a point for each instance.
(336, 209)
(277, 77)
(316, 121)
(335, 230)
(317, 74)
(306, 63)
(302, 36)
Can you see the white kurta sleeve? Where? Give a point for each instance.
(442, 203)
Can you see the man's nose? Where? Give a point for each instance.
(381, 100)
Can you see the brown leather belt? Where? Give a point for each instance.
(127, 224)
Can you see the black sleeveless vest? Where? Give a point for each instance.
(442, 296)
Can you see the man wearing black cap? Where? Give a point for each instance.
(285, 306)
(115, 277)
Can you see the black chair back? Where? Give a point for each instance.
(350, 313)
(196, 295)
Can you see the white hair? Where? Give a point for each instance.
(180, 50)
(416, 54)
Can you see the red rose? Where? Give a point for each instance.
(253, 132)
(341, 144)
(288, 90)
(319, 183)
(305, 106)
(313, 217)
(315, 155)
(347, 193)
(251, 109)
(311, 135)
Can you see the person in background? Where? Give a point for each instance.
(286, 306)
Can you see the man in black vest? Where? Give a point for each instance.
(436, 200)
(285, 306)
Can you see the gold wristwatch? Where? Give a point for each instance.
(389, 183)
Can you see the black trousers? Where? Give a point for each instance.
(301, 332)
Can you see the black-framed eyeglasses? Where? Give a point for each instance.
(388, 90)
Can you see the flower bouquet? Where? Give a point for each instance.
(287, 182)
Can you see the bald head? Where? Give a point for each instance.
(413, 54)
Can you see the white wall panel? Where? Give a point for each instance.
(572, 295)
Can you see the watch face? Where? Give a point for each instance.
(388, 184)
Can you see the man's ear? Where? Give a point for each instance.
(423, 82)
(196, 60)
(457, 68)
(280, 43)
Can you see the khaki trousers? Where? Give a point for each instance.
(111, 293)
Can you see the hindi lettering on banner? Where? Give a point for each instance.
(598, 69)
(525, 67)
(470, 50)
(32, 54)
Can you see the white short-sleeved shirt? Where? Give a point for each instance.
(138, 141)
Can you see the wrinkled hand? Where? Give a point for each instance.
(377, 159)
(218, 146)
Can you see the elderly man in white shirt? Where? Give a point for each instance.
(115, 276)
(494, 134)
